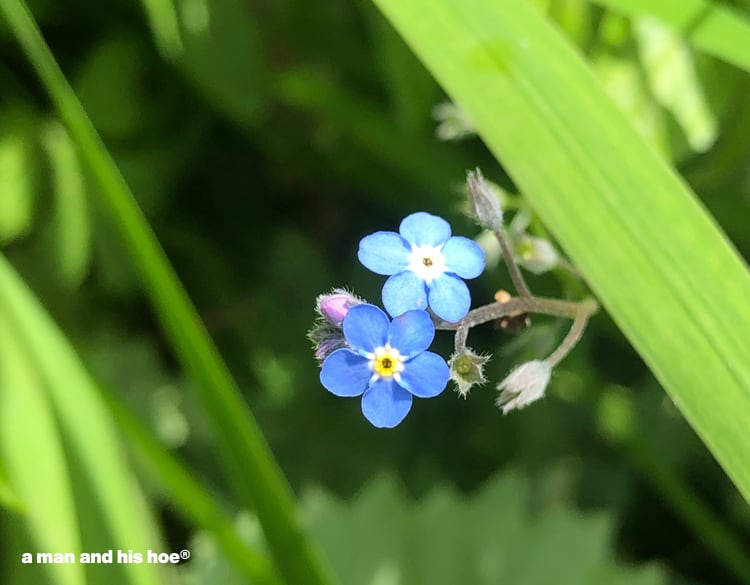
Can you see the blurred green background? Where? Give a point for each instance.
(262, 141)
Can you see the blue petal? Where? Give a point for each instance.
(403, 292)
(365, 328)
(464, 257)
(345, 373)
(411, 333)
(449, 297)
(426, 375)
(424, 229)
(384, 252)
(385, 404)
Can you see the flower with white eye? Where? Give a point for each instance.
(426, 266)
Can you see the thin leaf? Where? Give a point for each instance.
(619, 69)
(651, 253)
(715, 28)
(71, 226)
(16, 172)
(673, 79)
(165, 26)
(31, 448)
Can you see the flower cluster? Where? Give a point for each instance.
(383, 356)
(362, 352)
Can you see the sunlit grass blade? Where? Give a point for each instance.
(256, 476)
(713, 27)
(71, 224)
(31, 450)
(108, 502)
(648, 249)
(671, 74)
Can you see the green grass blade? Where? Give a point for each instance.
(165, 26)
(31, 451)
(256, 476)
(714, 28)
(108, 501)
(71, 224)
(650, 252)
(190, 499)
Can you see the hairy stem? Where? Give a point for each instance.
(539, 305)
(571, 339)
(579, 311)
(510, 262)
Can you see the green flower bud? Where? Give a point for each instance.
(467, 370)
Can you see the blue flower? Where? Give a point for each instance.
(386, 363)
(426, 266)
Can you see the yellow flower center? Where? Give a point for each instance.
(386, 362)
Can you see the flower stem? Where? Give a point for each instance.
(570, 341)
(510, 262)
(539, 305)
(459, 341)
(579, 311)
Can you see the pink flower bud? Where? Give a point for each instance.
(336, 305)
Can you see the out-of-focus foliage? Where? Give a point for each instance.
(383, 536)
(75, 493)
(446, 538)
(262, 140)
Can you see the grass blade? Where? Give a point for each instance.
(716, 29)
(30, 448)
(190, 499)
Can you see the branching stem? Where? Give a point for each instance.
(579, 311)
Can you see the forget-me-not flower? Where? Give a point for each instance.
(386, 363)
(426, 266)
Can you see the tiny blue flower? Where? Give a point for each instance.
(426, 266)
(386, 363)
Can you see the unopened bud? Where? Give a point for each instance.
(524, 385)
(327, 335)
(467, 370)
(484, 203)
(335, 305)
(327, 346)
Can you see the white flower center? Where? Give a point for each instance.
(386, 362)
(427, 262)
